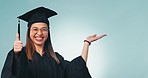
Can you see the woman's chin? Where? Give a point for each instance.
(39, 43)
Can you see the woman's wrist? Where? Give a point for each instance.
(87, 42)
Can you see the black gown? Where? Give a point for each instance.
(43, 67)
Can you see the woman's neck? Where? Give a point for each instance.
(39, 49)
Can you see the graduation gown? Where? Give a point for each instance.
(43, 67)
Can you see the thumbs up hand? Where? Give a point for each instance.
(17, 47)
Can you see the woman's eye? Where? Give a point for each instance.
(35, 29)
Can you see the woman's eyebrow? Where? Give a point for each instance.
(37, 27)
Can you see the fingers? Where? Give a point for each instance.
(17, 37)
(94, 35)
(17, 44)
(101, 36)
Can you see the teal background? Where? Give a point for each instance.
(122, 54)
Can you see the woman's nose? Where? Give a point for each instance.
(39, 32)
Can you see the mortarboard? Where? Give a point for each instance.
(40, 14)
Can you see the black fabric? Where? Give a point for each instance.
(43, 67)
(40, 14)
(38, 17)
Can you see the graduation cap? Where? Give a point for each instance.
(40, 14)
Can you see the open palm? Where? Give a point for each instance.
(95, 37)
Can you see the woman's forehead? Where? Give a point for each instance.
(39, 25)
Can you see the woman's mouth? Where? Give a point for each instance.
(39, 38)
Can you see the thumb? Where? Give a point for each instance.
(17, 37)
(94, 35)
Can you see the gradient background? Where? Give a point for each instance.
(122, 54)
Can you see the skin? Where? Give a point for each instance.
(39, 39)
(86, 45)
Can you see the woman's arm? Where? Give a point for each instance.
(87, 42)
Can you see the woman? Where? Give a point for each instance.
(38, 59)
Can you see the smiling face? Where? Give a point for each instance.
(39, 33)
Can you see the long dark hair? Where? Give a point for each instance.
(30, 48)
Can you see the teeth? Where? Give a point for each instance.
(39, 38)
